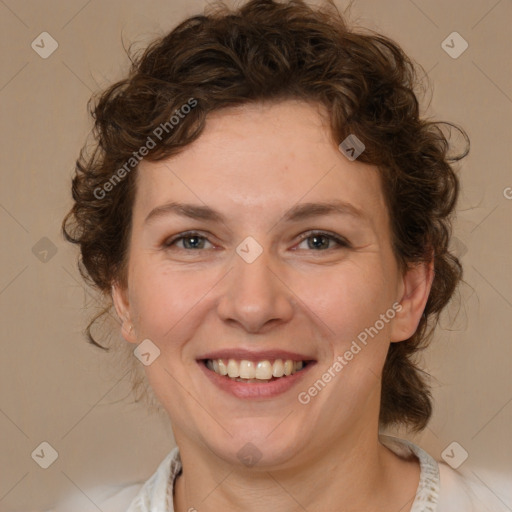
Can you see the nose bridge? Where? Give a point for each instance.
(255, 295)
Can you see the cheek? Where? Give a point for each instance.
(167, 304)
(348, 299)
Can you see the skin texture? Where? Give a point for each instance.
(252, 164)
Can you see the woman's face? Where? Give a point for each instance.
(262, 277)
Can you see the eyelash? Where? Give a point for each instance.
(194, 234)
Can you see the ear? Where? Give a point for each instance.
(415, 289)
(122, 307)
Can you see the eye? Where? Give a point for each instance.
(191, 240)
(316, 240)
(320, 240)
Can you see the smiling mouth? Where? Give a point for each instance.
(255, 371)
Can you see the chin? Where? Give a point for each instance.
(268, 447)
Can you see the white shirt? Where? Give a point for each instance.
(440, 489)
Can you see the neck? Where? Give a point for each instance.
(354, 473)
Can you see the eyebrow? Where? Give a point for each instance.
(297, 213)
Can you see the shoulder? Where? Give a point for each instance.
(444, 489)
(107, 498)
(455, 491)
(139, 496)
(468, 491)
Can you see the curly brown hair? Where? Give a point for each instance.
(271, 51)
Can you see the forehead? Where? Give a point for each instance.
(259, 159)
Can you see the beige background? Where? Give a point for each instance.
(54, 387)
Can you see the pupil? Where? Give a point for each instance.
(194, 238)
(316, 238)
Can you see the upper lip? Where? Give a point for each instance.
(249, 355)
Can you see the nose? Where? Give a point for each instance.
(256, 297)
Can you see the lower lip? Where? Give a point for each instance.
(254, 389)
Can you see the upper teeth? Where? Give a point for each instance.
(262, 370)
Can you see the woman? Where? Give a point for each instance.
(270, 217)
